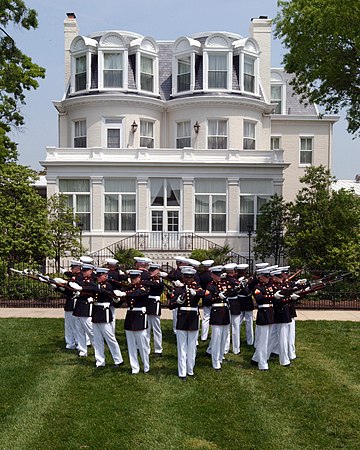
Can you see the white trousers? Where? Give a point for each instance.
(273, 345)
(70, 330)
(262, 340)
(205, 323)
(186, 348)
(227, 342)
(84, 333)
(283, 340)
(138, 340)
(104, 331)
(235, 333)
(292, 352)
(174, 319)
(113, 312)
(249, 327)
(154, 324)
(219, 335)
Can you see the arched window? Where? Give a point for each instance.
(147, 64)
(218, 59)
(113, 67)
(248, 50)
(83, 52)
(183, 64)
(278, 91)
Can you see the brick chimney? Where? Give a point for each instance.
(260, 30)
(71, 30)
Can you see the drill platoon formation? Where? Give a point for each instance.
(228, 295)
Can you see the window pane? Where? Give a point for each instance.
(157, 192)
(202, 204)
(157, 221)
(183, 77)
(218, 204)
(111, 203)
(128, 222)
(120, 185)
(113, 138)
(173, 221)
(80, 73)
(217, 186)
(111, 222)
(84, 219)
(146, 134)
(146, 74)
(218, 222)
(128, 203)
(202, 222)
(74, 185)
(217, 77)
(82, 203)
(173, 192)
(275, 143)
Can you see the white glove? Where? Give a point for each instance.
(192, 292)
(44, 278)
(294, 297)
(90, 300)
(301, 281)
(180, 300)
(75, 286)
(53, 286)
(178, 283)
(59, 280)
(62, 270)
(222, 296)
(223, 275)
(278, 296)
(163, 274)
(119, 293)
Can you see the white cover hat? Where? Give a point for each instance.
(86, 259)
(111, 261)
(207, 262)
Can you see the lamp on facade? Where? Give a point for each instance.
(134, 127)
(196, 127)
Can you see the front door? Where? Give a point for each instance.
(165, 214)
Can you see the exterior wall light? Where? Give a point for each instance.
(197, 127)
(134, 127)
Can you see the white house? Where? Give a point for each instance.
(173, 141)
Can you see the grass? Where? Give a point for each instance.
(49, 399)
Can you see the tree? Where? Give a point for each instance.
(24, 233)
(64, 232)
(269, 240)
(220, 255)
(125, 256)
(323, 42)
(17, 73)
(324, 226)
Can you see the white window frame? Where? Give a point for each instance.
(165, 209)
(229, 63)
(217, 136)
(272, 140)
(278, 109)
(179, 138)
(112, 123)
(247, 138)
(211, 215)
(244, 51)
(81, 136)
(257, 193)
(124, 72)
(308, 138)
(74, 194)
(144, 136)
(120, 194)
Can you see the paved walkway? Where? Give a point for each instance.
(303, 314)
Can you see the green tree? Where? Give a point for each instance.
(125, 256)
(24, 233)
(17, 73)
(324, 226)
(64, 232)
(323, 42)
(220, 255)
(269, 239)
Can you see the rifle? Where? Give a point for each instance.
(294, 274)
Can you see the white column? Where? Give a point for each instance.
(188, 205)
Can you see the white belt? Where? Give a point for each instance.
(188, 308)
(267, 305)
(143, 309)
(219, 304)
(232, 298)
(104, 304)
(155, 297)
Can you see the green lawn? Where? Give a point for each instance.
(50, 399)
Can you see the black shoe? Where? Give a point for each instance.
(100, 367)
(191, 376)
(116, 366)
(208, 355)
(253, 363)
(286, 365)
(263, 370)
(182, 378)
(158, 355)
(274, 355)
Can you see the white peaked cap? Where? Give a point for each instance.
(242, 266)
(230, 266)
(193, 262)
(261, 265)
(111, 261)
(86, 259)
(207, 262)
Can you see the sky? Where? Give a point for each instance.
(160, 19)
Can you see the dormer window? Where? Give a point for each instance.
(113, 57)
(146, 64)
(218, 60)
(183, 65)
(278, 91)
(248, 51)
(82, 50)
